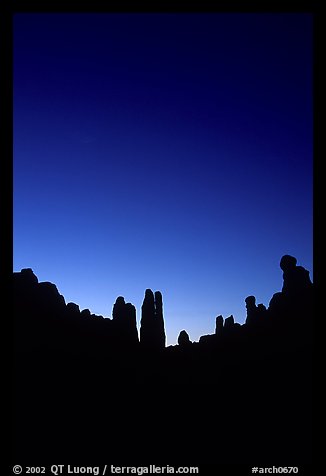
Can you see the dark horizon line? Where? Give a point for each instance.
(125, 313)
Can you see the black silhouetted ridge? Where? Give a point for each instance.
(86, 385)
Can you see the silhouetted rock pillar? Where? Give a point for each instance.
(132, 323)
(292, 308)
(118, 311)
(152, 332)
(251, 310)
(124, 321)
(159, 320)
(219, 325)
(183, 339)
(229, 322)
(147, 318)
(297, 287)
(295, 278)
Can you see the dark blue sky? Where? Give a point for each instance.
(163, 151)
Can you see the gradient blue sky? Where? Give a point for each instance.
(163, 151)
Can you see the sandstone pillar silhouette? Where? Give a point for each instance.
(152, 332)
(292, 308)
(124, 320)
(229, 322)
(219, 325)
(183, 339)
(251, 310)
